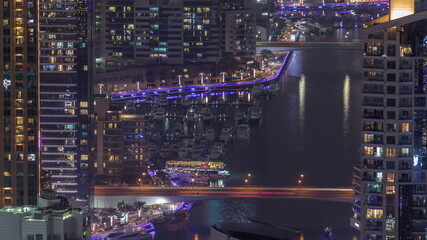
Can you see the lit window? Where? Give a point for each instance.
(374, 213)
(390, 152)
(405, 127)
(390, 177)
(390, 190)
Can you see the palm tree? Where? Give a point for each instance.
(139, 206)
(266, 54)
(231, 64)
(125, 207)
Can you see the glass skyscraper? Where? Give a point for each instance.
(391, 184)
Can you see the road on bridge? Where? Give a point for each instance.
(311, 45)
(335, 194)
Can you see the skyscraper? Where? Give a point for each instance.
(19, 104)
(63, 92)
(172, 32)
(391, 184)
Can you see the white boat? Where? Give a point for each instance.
(225, 135)
(191, 115)
(198, 135)
(240, 116)
(210, 135)
(243, 132)
(163, 102)
(186, 103)
(196, 152)
(177, 131)
(256, 113)
(206, 114)
(155, 136)
(183, 152)
(257, 90)
(165, 150)
(216, 151)
(273, 88)
(302, 26)
(316, 28)
(159, 114)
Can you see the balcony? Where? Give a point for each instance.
(373, 103)
(373, 116)
(373, 78)
(373, 90)
(405, 180)
(374, 66)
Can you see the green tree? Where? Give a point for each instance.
(266, 54)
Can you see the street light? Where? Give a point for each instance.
(139, 180)
(223, 76)
(249, 178)
(201, 77)
(179, 80)
(246, 182)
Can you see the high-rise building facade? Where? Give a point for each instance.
(172, 32)
(120, 143)
(391, 183)
(19, 103)
(63, 93)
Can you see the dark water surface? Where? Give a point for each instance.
(312, 127)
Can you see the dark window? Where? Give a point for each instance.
(391, 140)
(391, 90)
(390, 165)
(391, 115)
(391, 77)
(391, 102)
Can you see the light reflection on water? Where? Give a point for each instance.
(314, 120)
(301, 93)
(346, 104)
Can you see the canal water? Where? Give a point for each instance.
(311, 127)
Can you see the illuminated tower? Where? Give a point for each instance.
(63, 101)
(18, 104)
(391, 183)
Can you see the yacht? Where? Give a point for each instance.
(165, 150)
(152, 150)
(243, 132)
(216, 151)
(196, 152)
(163, 102)
(155, 136)
(177, 131)
(191, 115)
(210, 135)
(225, 135)
(240, 116)
(159, 114)
(186, 102)
(198, 135)
(273, 88)
(257, 90)
(172, 222)
(183, 152)
(256, 114)
(302, 26)
(206, 114)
